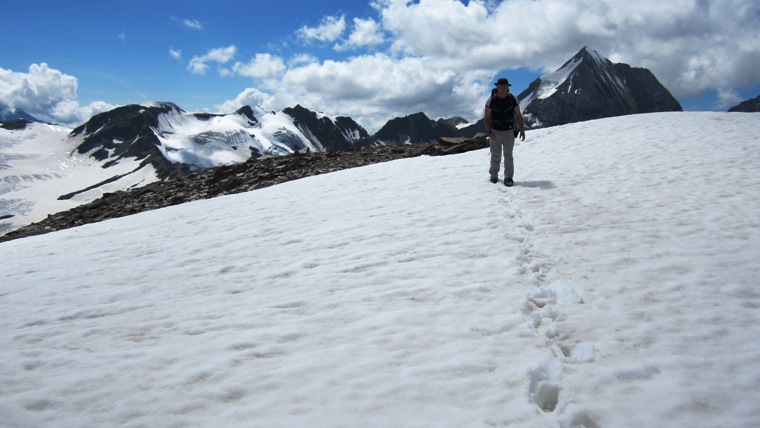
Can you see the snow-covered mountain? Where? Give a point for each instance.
(46, 168)
(615, 285)
(589, 86)
(326, 132)
(42, 173)
(201, 140)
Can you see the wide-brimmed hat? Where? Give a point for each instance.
(503, 81)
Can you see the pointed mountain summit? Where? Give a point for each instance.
(589, 86)
(8, 114)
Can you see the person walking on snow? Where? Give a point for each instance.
(502, 110)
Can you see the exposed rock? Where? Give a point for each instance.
(224, 180)
(15, 125)
(453, 145)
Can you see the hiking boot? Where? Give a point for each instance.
(508, 182)
(494, 180)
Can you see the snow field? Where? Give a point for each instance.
(614, 285)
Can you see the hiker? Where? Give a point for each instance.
(502, 109)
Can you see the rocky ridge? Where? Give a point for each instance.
(243, 177)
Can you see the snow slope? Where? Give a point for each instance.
(39, 164)
(616, 285)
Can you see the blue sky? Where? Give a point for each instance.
(371, 60)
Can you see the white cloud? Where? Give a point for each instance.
(262, 66)
(199, 64)
(250, 96)
(175, 53)
(192, 24)
(47, 94)
(302, 59)
(329, 30)
(367, 33)
(728, 98)
(436, 28)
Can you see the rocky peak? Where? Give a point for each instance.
(248, 113)
(589, 86)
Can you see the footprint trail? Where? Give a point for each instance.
(545, 307)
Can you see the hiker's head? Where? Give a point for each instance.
(503, 85)
(503, 81)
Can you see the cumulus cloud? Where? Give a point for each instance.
(329, 30)
(367, 34)
(199, 64)
(47, 94)
(437, 28)
(261, 66)
(250, 96)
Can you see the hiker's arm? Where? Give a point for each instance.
(520, 121)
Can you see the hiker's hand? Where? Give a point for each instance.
(522, 135)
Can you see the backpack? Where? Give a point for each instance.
(494, 94)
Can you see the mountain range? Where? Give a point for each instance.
(47, 168)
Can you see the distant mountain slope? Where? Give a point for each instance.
(415, 128)
(325, 132)
(747, 106)
(127, 132)
(169, 136)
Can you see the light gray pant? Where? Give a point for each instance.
(502, 142)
